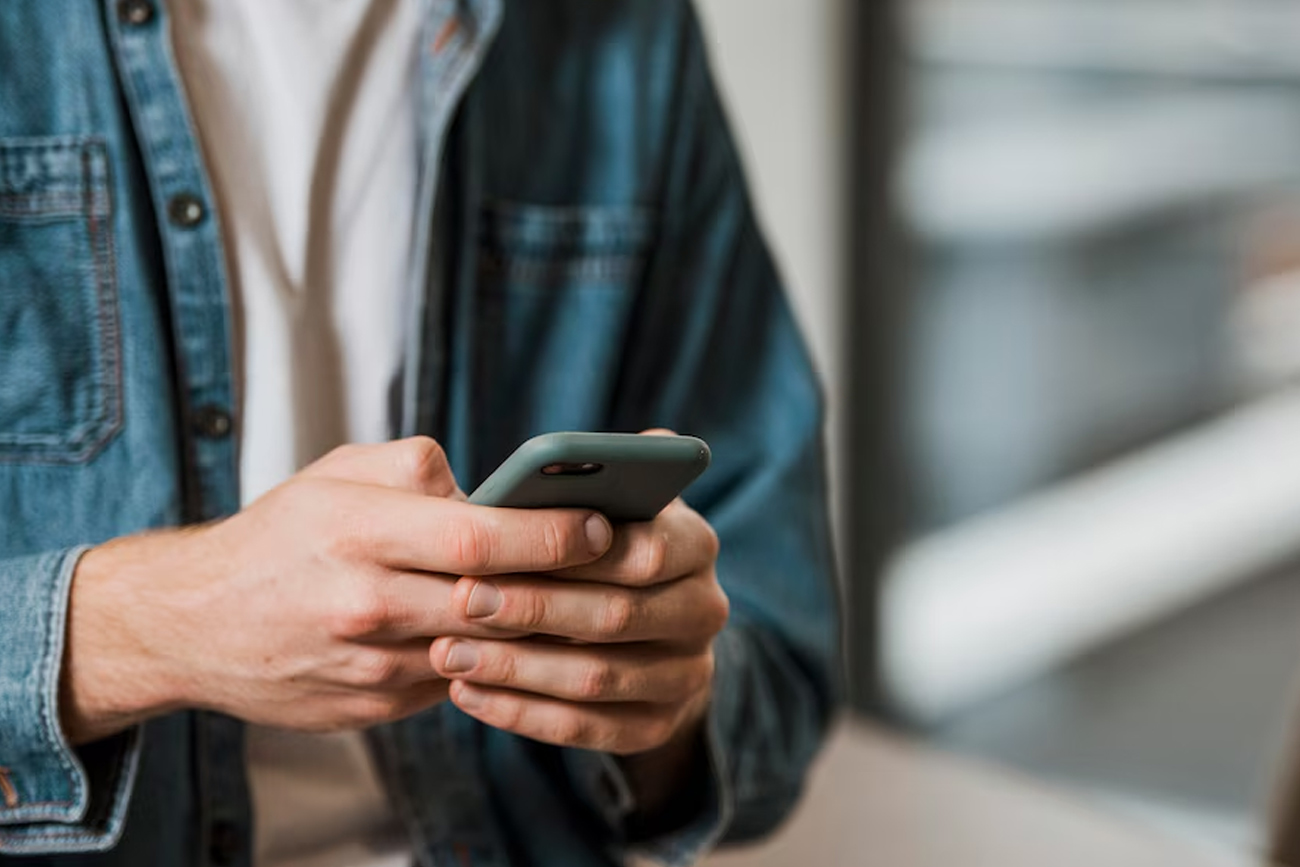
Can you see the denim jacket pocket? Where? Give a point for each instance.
(557, 291)
(60, 354)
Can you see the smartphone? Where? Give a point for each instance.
(626, 477)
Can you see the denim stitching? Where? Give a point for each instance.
(38, 836)
(48, 676)
(109, 325)
(85, 438)
(78, 435)
(37, 205)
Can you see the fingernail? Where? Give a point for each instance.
(599, 534)
(484, 600)
(462, 657)
(468, 697)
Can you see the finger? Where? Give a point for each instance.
(635, 673)
(410, 605)
(418, 465)
(366, 708)
(677, 543)
(687, 612)
(388, 667)
(623, 729)
(412, 532)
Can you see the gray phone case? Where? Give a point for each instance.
(634, 478)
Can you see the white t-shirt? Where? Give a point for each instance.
(306, 110)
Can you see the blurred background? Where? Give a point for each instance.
(1048, 256)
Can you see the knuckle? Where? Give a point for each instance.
(659, 731)
(424, 461)
(364, 613)
(554, 542)
(717, 611)
(573, 729)
(618, 616)
(533, 610)
(374, 668)
(712, 544)
(337, 532)
(598, 680)
(473, 547)
(342, 544)
(653, 559)
(509, 715)
(502, 668)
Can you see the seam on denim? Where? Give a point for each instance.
(32, 839)
(75, 438)
(11, 146)
(51, 810)
(108, 318)
(124, 767)
(51, 663)
(81, 442)
(139, 93)
(33, 810)
(33, 185)
(43, 206)
(17, 154)
(61, 194)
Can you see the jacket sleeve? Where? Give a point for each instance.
(53, 799)
(716, 353)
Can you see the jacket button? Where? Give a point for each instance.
(223, 844)
(134, 12)
(186, 210)
(212, 422)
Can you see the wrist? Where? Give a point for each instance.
(664, 781)
(112, 677)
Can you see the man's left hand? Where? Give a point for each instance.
(621, 654)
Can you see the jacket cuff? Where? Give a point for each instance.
(53, 799)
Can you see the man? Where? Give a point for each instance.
(246, 243)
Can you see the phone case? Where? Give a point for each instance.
(637, 476)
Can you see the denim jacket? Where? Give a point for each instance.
(589, 261)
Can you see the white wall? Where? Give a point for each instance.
(780, 65)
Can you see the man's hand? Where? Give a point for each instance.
(621, 658)
(313, 609)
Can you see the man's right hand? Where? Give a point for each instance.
(313, 609)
